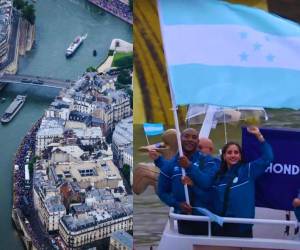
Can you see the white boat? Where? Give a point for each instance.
(13, 108)
(75, 45)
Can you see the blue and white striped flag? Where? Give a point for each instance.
(230, 55)
(153, 128)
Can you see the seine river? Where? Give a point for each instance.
(58, 22)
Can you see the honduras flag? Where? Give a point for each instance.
(230, 55)
(152, 129)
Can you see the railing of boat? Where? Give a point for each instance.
(174, 216)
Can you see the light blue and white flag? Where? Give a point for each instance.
(152, 129)
(230, 55)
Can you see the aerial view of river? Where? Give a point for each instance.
(58, 22)
(150, 214)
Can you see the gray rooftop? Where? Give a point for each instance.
(124, 238)
(104, 213)
(54, 204)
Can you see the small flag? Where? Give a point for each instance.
(152, 129)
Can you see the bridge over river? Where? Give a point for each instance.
(36, 80)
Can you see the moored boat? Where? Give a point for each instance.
(13, 108)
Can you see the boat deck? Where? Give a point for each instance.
(173, 240)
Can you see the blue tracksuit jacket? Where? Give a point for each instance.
(170, 187)
(241, 201)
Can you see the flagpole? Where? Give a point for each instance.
(225, 127)
(174, 107)
(147, 139)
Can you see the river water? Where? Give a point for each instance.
(58, 22)
(150, 214)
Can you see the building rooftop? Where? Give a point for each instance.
(98, 195)
(53, 204)
(59, 104)
(42, 184)
(88, 171)
(117, 95)
(79, 209)
(80, 117)
(124, 238)
(72, 150)
(98, 215)
(123, 134)
(51, 127)
(92, 132)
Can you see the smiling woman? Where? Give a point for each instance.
(234, 187)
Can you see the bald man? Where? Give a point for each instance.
(206, 146)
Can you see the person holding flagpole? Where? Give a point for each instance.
(170, 186)
(234, 185)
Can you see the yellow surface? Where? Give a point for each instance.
(262, 4)
(139, 116)
(151, 92)
(150, 65)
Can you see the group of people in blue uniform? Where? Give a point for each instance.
(225, 186)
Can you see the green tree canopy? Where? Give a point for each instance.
(123, 60)
(19, 4)
(91, 69)
(124, 78)
(28, 12)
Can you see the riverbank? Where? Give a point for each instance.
(117, 45)
(20, 224)
(23, 214)
(27, 36)
(24, 42)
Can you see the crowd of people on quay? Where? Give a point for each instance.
(116, 8)
(23, 198)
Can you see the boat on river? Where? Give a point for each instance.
(13, 109)
(75, 45)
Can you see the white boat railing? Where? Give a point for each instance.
(174, 216)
